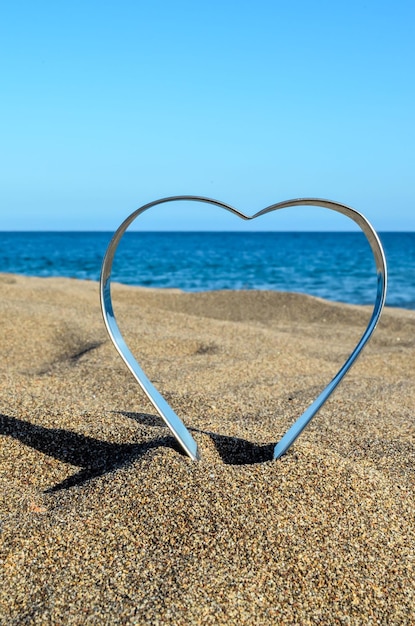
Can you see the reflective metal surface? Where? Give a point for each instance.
(165, 411)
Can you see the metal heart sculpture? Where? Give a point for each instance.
(175, 424)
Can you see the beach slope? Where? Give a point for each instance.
(105, 521)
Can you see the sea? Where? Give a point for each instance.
(337, 266)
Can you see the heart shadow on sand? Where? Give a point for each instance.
(97, 458)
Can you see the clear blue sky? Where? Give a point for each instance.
(108, 105)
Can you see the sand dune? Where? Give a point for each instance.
(103, 520)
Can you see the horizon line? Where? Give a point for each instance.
(105, 231)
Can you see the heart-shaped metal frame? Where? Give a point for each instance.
(175, 424)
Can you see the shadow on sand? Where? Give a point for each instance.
(94, 456)
(97, 458)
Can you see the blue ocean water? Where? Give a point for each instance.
(336, 266)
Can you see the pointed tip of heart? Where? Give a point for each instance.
(279, 451)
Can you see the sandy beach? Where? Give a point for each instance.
(105, 521)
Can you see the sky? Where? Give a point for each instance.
(106, 106)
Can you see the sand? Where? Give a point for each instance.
(105, 521)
